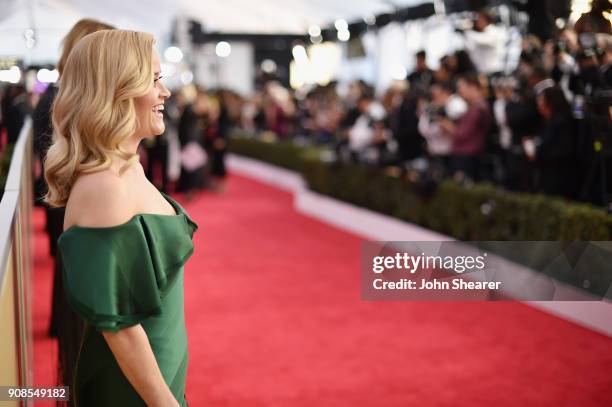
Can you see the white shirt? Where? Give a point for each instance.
(439, 143)
(505, 133)
(487, 48)
(360, 135)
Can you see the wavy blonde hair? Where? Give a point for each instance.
(94, 111)
(79, 30)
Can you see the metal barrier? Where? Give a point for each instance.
(16, 346)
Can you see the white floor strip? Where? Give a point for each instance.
(595, 315)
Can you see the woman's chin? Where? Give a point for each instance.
(158, 129)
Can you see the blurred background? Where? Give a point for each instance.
(296, 130)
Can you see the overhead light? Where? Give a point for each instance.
(578, 8)
(30, 38)
(370, 19)
(268, 66)
(223, 49)
(316, 40)
(344, 35)
(314, 31)
(341, 25)
(560, 23)
(299, 53)
(46, 76)
(173, 54)
(11, 75)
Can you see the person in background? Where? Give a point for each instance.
(459, 63)
(606, 63)
(64, 323)
(405, 127)
(444, 104)
(192, 127)
(486, 44)
(470, 132)
(15, 108)
(595, 20)
(358, 101)
(359, 135)
(554, 154)
(517, 117)
(422, 76)
(173, 111)
(216, 140)
(279, 109)
(157, 157)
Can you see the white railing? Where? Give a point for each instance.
(16, 347)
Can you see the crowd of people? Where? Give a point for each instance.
(544, 127)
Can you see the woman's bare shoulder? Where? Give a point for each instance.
(98, 199)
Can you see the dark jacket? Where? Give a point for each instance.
(556, 158)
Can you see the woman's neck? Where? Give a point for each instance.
(131, 144)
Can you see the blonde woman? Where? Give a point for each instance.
(124, 244)
(65, 325)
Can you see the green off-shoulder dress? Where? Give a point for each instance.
(120, 276)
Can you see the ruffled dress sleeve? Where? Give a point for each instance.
(117, 276)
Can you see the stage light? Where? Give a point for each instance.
(223, 49)
(173, 54)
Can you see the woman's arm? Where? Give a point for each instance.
(131, 348)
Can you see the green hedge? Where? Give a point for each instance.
(482, 212)
(281, 153)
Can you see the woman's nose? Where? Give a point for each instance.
(165, 93)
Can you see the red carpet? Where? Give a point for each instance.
(274, 318)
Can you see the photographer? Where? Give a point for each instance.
(517, 117)
(444, 104)
(555, 146)
(369, 137)
(486, 44)
(470, 131)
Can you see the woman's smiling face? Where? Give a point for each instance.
(149, 107)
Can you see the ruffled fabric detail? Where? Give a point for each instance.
(118, 276)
